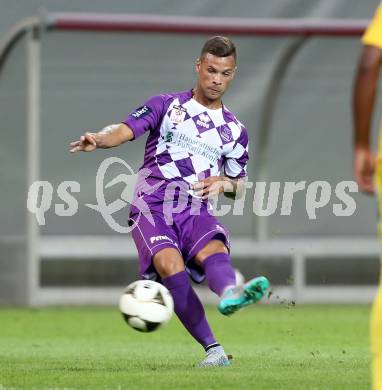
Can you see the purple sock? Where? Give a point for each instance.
(219, 272)
(188, 308)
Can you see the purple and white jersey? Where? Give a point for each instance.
(187, 141)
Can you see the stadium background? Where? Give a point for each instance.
(93, 79)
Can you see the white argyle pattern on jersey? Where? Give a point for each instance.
(195, 146)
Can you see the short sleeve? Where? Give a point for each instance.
(147, 117)
(373, 34)
(235, 164)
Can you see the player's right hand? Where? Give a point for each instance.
(87, 143)
(364, 168)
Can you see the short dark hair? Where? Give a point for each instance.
(219, 46)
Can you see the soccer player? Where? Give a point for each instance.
(191, 137)
(367, 168)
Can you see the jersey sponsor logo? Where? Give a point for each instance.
(193, 145)
(178, 113)
(204, 120)
(141, 112)
(160, 238)
(168, 136)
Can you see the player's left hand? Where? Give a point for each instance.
(211, 186)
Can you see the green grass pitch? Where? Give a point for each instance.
(274, 347)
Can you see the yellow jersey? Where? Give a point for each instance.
(373, 33)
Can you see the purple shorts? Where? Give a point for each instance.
(188, 234)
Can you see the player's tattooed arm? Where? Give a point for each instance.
(232, 188)
(109, 137)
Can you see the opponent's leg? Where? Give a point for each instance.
(376, 314)
(376, 340)
(221, 279)
(170, 266)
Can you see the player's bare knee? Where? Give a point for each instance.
(168, 262)
(214, 246)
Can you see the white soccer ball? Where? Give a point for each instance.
(145, 305)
